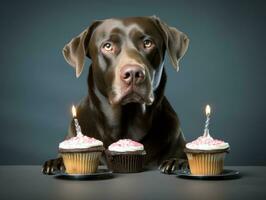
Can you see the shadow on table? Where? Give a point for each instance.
(86, 177)
(227, 174)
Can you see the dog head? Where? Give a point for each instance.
(127, 56)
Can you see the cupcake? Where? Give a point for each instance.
(125, 156)
(206, 155)
(81, 154)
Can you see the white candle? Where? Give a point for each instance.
(77, 126)
(208, 113)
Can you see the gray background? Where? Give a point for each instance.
(224, 66)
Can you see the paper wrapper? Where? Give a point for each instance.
(81, 163)
(206, 163)
(125, 162)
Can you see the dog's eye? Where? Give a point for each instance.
(147, 43)
(108, 46)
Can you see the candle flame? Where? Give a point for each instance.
(74, 112)
(208, 110)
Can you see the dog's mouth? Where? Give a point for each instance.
(132, 98)
(132, 95)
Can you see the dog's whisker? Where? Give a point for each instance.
(143, 108)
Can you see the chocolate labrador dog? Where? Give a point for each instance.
(126, 85)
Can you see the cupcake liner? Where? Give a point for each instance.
(125, 163)
(206, 163)
(81, 163)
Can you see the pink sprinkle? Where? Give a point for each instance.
(81, 139)
(125, 143)
(206, 140)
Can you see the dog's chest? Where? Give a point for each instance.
(135, 132)
(135, 127)
(129, 122)
(129, 129)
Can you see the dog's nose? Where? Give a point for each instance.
(132, 74)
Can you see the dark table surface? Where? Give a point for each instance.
(27, 182)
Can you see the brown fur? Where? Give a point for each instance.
(154, 124)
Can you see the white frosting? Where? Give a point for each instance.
(207, 143)
(126, 145)
(80, 142)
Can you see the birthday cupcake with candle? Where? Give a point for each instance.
(125, 156)
(81, 154)
(206, 154)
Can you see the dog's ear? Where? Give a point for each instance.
(175, 41)
(76, 50)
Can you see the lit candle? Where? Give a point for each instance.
(208, 113)
(77, 126)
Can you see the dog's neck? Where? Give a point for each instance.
(112, 113)
(114, 118)
(123, 121)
